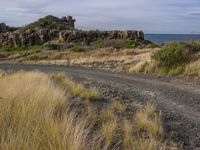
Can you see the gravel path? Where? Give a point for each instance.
(179, 100)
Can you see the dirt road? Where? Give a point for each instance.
(179, 100)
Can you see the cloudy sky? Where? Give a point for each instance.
(151, 16)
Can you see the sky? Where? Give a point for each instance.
(150, 16)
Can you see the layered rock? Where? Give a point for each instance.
(70, 36)
(88, 37)
(52, 28)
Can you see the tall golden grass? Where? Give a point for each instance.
(28, 120)
(35, 114)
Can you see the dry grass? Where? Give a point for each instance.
(76, 90)
(128, 139)
(108, 130)
(148, 121)
(27, 115)
(128, 60)
(146, 132)
(193, 69)
(190, 69)
(150, 144)
(117, 106)
(35, 114)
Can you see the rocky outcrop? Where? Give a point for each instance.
(4, 28)
(52, 28)
(88, 37)
(70, 36)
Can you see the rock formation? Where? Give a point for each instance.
(52, 28)
(4, 28)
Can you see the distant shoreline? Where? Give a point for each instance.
(165, 38)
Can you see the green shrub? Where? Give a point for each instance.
(5, 48)
(78, 49)
(173, 58)
(19, 48)
(148, 44)
(173, 55)
(54, 46)
(11, 48)
(33, 47)
(99, 43)
(128, 44)
(118, 44)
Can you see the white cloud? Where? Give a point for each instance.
(167, 16)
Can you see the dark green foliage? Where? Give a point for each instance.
(55, 46)
(48, 22)
(9, 48)
(78, 49)
(99, 43)
(116, 43)
(148, 44)
(175, 54)
(128, 44)
(36, 57)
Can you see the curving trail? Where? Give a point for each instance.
(179, 102)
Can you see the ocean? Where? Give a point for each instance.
(165, 38)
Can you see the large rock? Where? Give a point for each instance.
(87, 37)
(52, 28)
(4, 28)
(33, 37)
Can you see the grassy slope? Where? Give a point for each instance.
(128, 60)
(35, 113)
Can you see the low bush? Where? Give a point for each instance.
(174, 59)
(175, 54)
(9, 48)
(19, 48)
(149, 44)
(78, 49)
(172, 55)
(54, 46)
(118, 44)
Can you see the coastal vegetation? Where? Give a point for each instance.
(38, 111)
(175, 59)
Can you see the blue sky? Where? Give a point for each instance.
(151, 16)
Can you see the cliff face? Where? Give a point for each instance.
(52, 28)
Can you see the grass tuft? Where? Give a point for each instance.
(76, 90)
(148, 121)
(91, 94)
(117, 106)
(128, 140)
